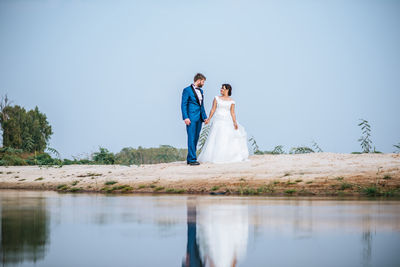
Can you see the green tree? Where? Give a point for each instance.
(29, 131)
(103, 156)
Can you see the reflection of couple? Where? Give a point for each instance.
(217, 234)
(227, 140)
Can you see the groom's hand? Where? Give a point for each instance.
(187, 121)
(206, 121)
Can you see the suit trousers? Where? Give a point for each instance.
(193, 133)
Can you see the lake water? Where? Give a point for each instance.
(55, 229)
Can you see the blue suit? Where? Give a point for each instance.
(194, 110)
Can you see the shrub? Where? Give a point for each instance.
(290, 191)
(372, 191)
(300, 150)
(103, 156)
(12, 160)
(110, 182)
(365, 141)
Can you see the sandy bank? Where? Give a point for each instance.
(302, 174)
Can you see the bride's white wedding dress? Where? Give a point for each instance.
(224, 144)
(222, 233)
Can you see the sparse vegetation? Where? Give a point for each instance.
(119, 187)
(214, 188)
(365, 141)
(397, 148)
(89, 174)
(75, 189)
(305, 192)
(316, 146)
(62, 187)
(344, 186)
(266, 189)
(276, 151)
(110, 182)
(205, 130)
(175, 190)
(372, 191)
(140, 155)
(254, 146)
(106, 189)
(159, 188)
(290, 191)
(300, 150)
(247, 190)
(127, 188)
(39, 179)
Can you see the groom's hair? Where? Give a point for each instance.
(229, 87)
(199, 76)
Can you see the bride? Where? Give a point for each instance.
(227, 139)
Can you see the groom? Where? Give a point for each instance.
(193, 114)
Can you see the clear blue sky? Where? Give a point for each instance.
(111, 73)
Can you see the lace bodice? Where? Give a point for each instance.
(223, 110)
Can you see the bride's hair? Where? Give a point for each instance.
(229, 87)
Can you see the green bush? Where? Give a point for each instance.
(300, 150)
(140, 155)
(43, 159)
(12, 160)
(103, 156)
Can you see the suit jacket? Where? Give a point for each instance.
(191, 106)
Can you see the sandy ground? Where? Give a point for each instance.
(302, 174)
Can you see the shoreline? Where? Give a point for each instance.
(314, 174)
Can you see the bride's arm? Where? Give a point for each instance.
(214, 106)
(234, 116)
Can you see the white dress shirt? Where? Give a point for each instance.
(198, 92)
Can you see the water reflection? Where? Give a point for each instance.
(193, 258)
(167, 230)
(216, 233)
(24, 230)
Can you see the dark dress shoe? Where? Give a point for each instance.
(194, 163)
